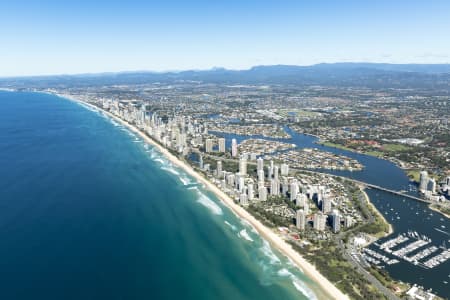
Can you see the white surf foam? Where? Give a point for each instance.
(267, 250)
(302, 288)
(171, 170)
(231, 225)
(244, 234)
(185, 180)
(284, 272)
(159, 160)
(208, 203)
(247, 223)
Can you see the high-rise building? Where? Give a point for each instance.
(269, 172)
(260, 164)
(243, 200)
(250, 191)
(306, 208)
(241, 183)
(326, 205)
(284, 186)
(222, 145)
(234, 148)
(300, 219)
(219, 168)
(423, 181)
(262, 193)
(293, 190)
(231, 178)
(336, 221)
(261, 176)
(431, 185)
(243, 166)
(209, 145)
(275, 172)
(274, 187)
(200, 162)
(301, 199)
(320, 221)
(284, 169)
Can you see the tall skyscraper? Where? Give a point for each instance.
(284, 169)
(306, 207)
(234, 148)
(275, 172)
(209, 145)
(243, 200)
(431, 185)
(261, 176)
(300, 219)
(222, 145)
(269, 172)
(274, 187)
(260, 164)
(293, 190)
(243, 166)
(250, 191)
(219, 168)
(336, 221)
(423, 181)
(326, 205)
(200, 162)
(320, 221)
(262, 193)
(241, 184)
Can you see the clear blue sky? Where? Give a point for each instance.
(56, 37)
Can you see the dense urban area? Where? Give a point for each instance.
(237, 136)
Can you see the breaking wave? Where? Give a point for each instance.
(171, 170)
(231, 225)
(208, 203)
(267, 250)
(244, 234)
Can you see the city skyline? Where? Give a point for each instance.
(47, 38)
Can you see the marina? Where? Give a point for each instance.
(411, 247)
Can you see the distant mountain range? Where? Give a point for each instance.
(375, 75)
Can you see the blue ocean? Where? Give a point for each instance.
(89, 211)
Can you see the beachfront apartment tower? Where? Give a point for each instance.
(260, 164)
(326, 205)
(336, 221)
(234, 148)
(284, 169)
(208, 145)
(320, 221)
(300, 219)
(222, 145)
(243, 165)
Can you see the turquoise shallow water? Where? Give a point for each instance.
(88, 211)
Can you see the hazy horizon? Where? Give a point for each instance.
(215, 68)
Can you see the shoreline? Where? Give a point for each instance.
(434, 208)
(372, 206)
(268, 234)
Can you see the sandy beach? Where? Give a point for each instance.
(274, 239)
